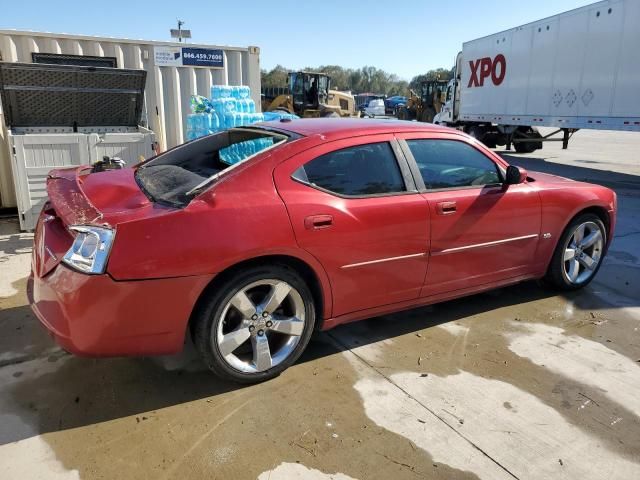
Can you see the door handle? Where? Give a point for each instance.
(446, 208)
(318, 222)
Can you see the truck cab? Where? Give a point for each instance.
(448, 113)
(450, 110)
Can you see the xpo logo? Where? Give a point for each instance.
(486, 67)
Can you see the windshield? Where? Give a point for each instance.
(176, 176)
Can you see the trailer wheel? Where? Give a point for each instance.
(522, 147)
(476, 132)
(532, 134)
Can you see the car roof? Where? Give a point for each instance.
(347, 127)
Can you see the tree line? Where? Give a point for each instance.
(358, 80)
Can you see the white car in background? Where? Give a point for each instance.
(375, 108)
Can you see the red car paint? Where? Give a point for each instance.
(163, 257)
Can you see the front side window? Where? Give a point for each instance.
(370, 169)
(452, 164)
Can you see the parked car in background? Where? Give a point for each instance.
(393, 103)
(252, 238)
(375, 108)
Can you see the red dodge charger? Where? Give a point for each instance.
(252, 238)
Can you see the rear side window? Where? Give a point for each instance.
(362, 170)
(452, 164)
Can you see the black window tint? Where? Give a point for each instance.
(363, 170)
(450, 164)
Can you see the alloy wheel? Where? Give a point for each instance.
(583, 253)
(261, 325)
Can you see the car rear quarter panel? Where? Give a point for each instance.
(240, 216)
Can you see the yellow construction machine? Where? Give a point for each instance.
(310, 95)
(425, 105)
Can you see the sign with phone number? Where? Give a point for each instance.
(187, 56)
(202, 57)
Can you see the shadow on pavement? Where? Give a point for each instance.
(614, 180)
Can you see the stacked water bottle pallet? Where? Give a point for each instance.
(228, 107)
(239, 151)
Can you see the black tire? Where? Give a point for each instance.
(555, 276)
(524, 147)
(477, 132)
(428, 114)
(209, 315)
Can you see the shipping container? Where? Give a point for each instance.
(174, 72)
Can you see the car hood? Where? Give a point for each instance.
(80, 197)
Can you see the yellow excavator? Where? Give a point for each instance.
(424, 106)
(310, 95)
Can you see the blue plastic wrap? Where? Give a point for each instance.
(229, 107)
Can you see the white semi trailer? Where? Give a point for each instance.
(578, 69)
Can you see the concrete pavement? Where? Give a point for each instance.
(516, 383)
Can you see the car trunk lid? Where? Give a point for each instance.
(80, 197)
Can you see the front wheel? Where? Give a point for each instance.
(256, 325)
(579, 253)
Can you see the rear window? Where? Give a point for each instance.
(176, 176)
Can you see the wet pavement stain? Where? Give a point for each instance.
(134, 417)
(166, 423)
(480, 345)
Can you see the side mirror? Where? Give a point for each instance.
(515, 175)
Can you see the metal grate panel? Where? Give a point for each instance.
(78, 60)
(42, 95)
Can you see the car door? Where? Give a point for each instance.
(482, 231)
(354, 206)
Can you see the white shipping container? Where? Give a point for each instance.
(169, 85)
(578, 69)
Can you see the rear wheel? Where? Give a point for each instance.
(579, 253)
(534, 137)
(256, 325)
(524, 147)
